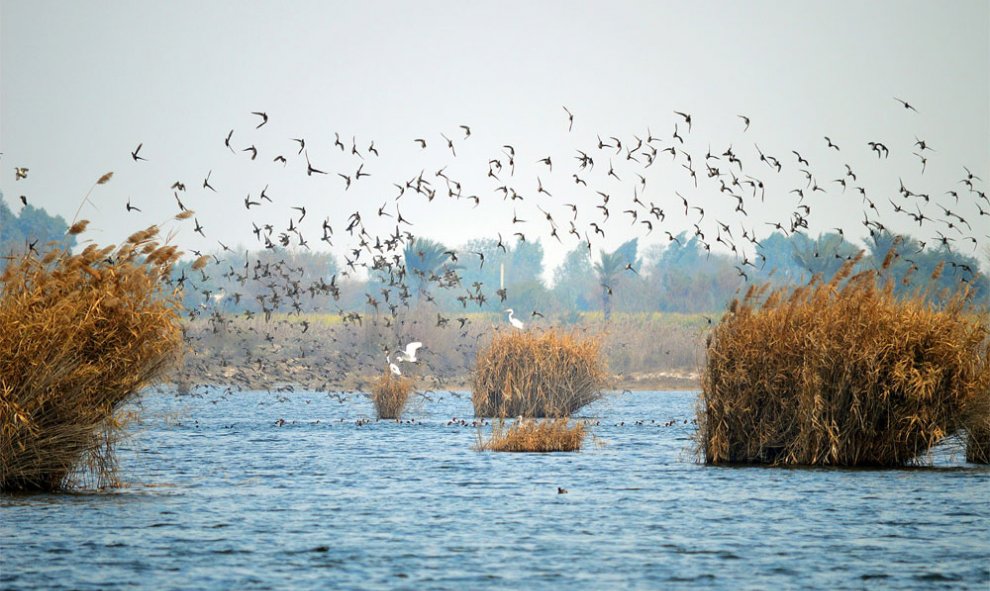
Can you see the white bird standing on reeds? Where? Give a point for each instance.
(410, 353)
(515, 321)
(394, 368)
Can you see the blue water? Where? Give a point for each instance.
(221, 497)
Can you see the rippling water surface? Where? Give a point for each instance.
(221, 497)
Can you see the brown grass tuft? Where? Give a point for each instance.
(389, 393)
(79, 336)
(526, 435)
(105, 178)
(840, 373)
(537, 374)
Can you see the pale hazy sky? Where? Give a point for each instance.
(83, 83)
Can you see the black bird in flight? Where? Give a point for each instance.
(226, 141)
(264, 117)
(906, 105)
(206, 182)
(570, 119)
(309, 167)
(687, 119)
(450, 144)
(134, 154)
(131, 207)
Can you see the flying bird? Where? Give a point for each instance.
(570, 119)
(206, 182)
(906, 105)
(409, 354)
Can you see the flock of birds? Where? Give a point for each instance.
(608, 186)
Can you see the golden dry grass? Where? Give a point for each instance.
(389, 393)
(840, 373)
(535, 436)
(80, 334)
(537, 374)
(978, 445)
(977, 419)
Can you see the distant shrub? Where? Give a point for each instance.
(840, 373)
(80, 335)
(525, 435)
(537, 374)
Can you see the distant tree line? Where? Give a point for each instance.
(487, 275)
(31, 227)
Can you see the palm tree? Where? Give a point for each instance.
(610, 269)
(426, 261)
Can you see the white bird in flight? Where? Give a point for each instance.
(515, 321)
(410, 353)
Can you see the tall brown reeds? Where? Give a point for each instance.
(840, 373)
(389, 394)
(977, 419)
(527, 435)
(537, 374)
(80, 334)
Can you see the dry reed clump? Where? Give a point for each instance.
(537, 374)
(80, 334)
(840, 373)
(977, 419)
(389, 393)
(535, 436)
(978, 443)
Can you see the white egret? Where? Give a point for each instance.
(392, 366)
(410, 353)
(515, 321)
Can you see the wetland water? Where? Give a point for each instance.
(220, 497)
